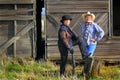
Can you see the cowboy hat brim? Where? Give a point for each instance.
(88, 14)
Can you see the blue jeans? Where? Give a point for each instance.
(91, 49)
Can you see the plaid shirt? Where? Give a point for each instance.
(93, 31)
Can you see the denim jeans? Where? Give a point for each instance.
(91, 49)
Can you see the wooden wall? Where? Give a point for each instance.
(15, 15)
(56, 9)
(107, 49)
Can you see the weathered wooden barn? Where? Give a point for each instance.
(17, 25)
(107, 16)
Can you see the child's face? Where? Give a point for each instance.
(67, 22)
(88, 18)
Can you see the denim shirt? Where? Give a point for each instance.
(94, 31)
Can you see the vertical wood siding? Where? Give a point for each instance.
(14, 15)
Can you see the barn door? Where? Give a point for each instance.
(75, 8)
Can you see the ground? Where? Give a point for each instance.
(27, 69)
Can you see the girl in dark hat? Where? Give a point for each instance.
(66, 39)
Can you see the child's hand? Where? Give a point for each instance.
(93, 39)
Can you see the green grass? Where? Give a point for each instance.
(13, 68)
(30, 70)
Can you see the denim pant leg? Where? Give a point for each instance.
(91, 49)
(64, 55)
(82, 46)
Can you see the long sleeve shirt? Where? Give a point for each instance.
(94, 31)
(65, 35)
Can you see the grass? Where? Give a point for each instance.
(28, 69)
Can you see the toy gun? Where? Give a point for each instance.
(73, 64)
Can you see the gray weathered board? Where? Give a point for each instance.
(14, 16)
(107, 49)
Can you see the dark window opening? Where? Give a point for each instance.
(116, 18)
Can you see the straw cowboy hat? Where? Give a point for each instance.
(65, 17)
(88, 14)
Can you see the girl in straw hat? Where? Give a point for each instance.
(91, 32)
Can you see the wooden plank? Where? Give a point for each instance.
(10, 35)
(32, 33)
(78, 2)
(32, 41)
(16, 37)
(79, 58)
(82, 6)
(109, 57)
(18, 17)
(4, 31)
(23, 45)
(17, 1)
(75, 10)
(102, 18)
(110, 24)
(15, 31)
(53, 42)
(14, 12)
(77, 6)
(34, 12)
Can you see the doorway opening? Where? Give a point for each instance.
(116, 18)
(40, 43)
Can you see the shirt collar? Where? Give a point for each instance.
(88, 23)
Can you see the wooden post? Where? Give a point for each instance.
(97, 63)
(92, 67)
(11, 51)
(10, 35)
(15, 31)
(31, 34)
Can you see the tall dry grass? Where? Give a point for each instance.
(27, 69)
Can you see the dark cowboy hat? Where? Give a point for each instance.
(65, 17)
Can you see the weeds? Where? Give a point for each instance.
(28, 69)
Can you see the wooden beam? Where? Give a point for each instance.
(78, 2)
(16, 1)
(10, 35)
(110, 19)
(14, 12)
(62, 11)
(16, 37)
(32, 41)
(77, 6)
(18, 17)
(15, 31)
